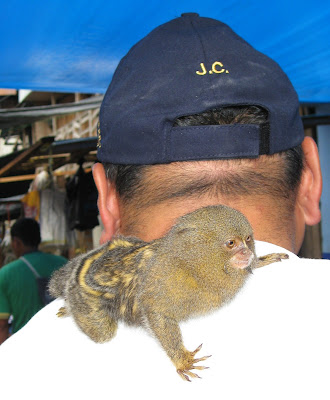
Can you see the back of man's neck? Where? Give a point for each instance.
(29, 251)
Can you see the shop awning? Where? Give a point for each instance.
(75, 46)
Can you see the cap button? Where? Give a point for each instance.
(191, 14)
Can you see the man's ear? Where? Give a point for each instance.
(107, 203)
(310, 188)
(16, 245)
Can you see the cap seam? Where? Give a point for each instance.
(204, 53)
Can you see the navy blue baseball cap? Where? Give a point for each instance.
(187, 66)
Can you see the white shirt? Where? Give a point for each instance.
(271, 342)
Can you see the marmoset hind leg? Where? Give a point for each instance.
(168, 332)
(92, 319)
(96, 324)
(270, 258)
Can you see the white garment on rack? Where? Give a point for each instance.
(52, 217)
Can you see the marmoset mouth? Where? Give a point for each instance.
(242, 261)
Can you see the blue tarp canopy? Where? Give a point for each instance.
(75, 46)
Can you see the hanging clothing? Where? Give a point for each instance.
(52, 217)
(81, 201)
(31, 204)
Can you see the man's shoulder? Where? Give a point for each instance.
(49, 257)
(290, 285)
(55, 257)
(274, 319)
(313, 262)
(263, 248)
(10, 268)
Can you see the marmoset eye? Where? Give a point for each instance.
(230, 244)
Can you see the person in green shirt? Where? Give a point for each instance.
(19, 296)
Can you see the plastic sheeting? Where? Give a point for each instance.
(75, 46)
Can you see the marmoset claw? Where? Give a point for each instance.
(185, 372)
(62, 312)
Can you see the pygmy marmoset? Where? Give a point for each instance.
(199, 265)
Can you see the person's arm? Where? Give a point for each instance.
(5, 309)
(4, 330)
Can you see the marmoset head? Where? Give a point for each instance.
(219, 234)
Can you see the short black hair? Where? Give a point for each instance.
(128, 178)
(28, 230)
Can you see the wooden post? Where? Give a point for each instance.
(54, 122)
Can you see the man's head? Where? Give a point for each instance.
(195, 116)
(25, 236)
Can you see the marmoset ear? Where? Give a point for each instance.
(107, 203)
(310, 188)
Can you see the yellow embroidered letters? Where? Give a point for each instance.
(217, 68)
